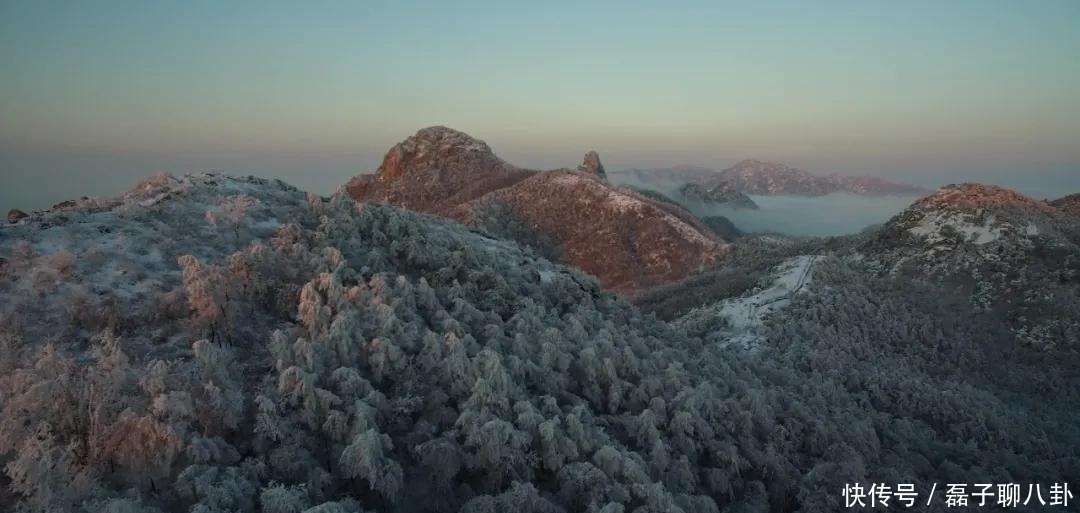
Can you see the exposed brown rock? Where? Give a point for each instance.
(592, 165)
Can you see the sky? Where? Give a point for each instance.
(96, 95)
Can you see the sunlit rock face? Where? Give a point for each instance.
(592, 165)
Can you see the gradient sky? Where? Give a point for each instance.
(95, 95)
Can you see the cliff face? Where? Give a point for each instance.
(628, 241)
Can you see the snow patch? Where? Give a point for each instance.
(932, 224)
(746, 315)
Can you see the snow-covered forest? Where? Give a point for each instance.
(215, 344)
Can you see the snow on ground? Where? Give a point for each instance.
(932, 223)
(745, 315)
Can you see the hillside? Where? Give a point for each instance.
(1014, 255)
(216, 344)
(627, 240)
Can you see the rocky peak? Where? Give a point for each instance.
(592, 165)
(431, 147)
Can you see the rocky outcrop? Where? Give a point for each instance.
(625, 239)
(14, 215)
(592, 165)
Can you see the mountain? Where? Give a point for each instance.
(1012, 254)
(232, 344)
(760, 178)
(971, 215)
(768, 179)
(437, 170)
(209, 343)
(627, 240)
(720, 195)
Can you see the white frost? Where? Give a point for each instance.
(932, 224)
(746, 314)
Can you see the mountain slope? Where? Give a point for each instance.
(216, 344)
(627, 240)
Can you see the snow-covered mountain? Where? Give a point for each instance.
(627, 240)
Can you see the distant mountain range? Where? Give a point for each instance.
(759, 178)
(626, 239)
